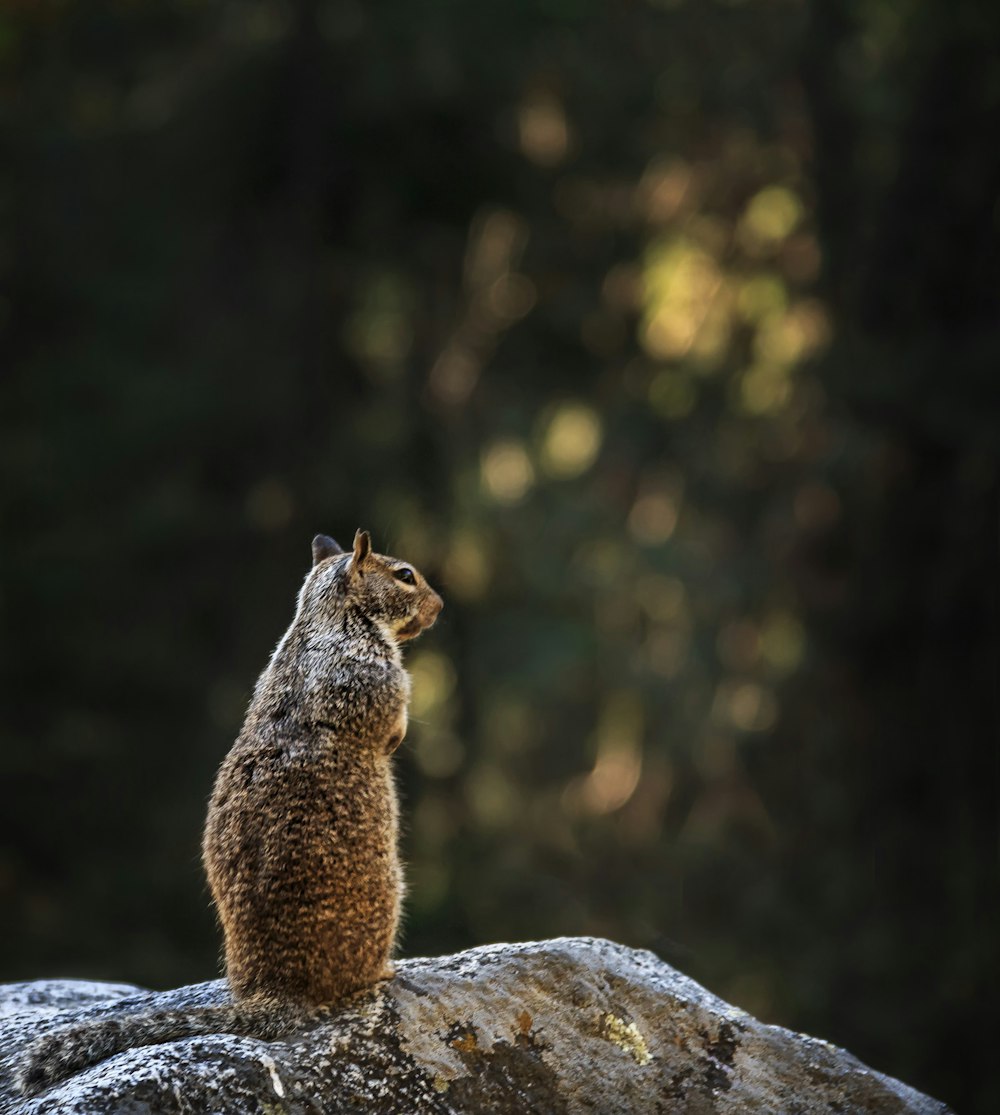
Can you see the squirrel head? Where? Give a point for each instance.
(388, 591)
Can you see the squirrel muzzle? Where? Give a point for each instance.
(427, 613)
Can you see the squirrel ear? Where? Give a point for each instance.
(324, 547)
(362, 547)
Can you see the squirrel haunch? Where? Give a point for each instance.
(300, 844)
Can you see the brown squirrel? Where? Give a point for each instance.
(300, 840)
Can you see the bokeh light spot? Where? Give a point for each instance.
(663, 190)
(571, 441)
(379, 332)
(511, 297)
(543, 129)
(782, 641)
(467, 566)
(680, 281)
(744, 705)
(506, 471)
(771, 215)
(618, 766)
(433, 681)
(764, 388)
(653, 518)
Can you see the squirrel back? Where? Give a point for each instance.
(300, 843)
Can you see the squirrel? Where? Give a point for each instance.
(300, 843)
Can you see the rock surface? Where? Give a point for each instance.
(570, 1025)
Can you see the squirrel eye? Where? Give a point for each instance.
(405, 575)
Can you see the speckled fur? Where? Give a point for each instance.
(300, 844)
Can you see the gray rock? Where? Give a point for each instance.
(572, 1025)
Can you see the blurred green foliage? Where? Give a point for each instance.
(663, 336)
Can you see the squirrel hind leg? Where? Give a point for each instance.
(67, 1051)
(39, 1072)
(71, 1049)
(61, 1054)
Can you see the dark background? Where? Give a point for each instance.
(663, 336)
